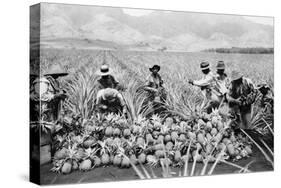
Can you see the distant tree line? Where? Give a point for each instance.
(256, 50)
(162, 49)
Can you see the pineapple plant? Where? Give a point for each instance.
(108, 131)
(155, 134)
(152, 160)
(177, 151)
(104, 152)
(57, 165)
(201, 138)
(136, 129)
(149, 139)
(96, 161)
(208, 126)
(86, 163)
(191, 135)
(60, 154)
(169, 121)
(174, 136)
(160, 146)
(167, 138)
(118, 150)
(117, 160)
(75, 165)
(169, 146)
(160, 139)
(133, 159)
(156, 121)
(214, 132)
(159, 153)
(142, 158)
(141, 141)
(177, 156)
(127, 133)
(231, 150)
(116, 132)
(125, 162)
(89, 142)
(66, 167)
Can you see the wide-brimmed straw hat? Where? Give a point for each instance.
(204, 65)
(220, 65)
(104, 70)
(157, 67)
(55, 70)
(235, 75)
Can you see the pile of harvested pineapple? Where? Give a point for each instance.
(111, 140)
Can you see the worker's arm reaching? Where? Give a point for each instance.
(232, 100)
(108, 95)
(122, 102)
(202, 82)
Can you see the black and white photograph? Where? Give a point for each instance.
(131, 94)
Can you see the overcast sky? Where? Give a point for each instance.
(261, 20)
(136, 12)
(257, 19)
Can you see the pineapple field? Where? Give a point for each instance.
(182, 140)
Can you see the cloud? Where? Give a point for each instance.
(261, 20)
(136, 12)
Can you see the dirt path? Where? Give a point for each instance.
(105, 174)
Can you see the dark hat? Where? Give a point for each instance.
(220, 65)
(155, 67)
(55, 70)
(104, 70)
(204, 65)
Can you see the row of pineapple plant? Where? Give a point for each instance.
(137, 138)
(86, 141)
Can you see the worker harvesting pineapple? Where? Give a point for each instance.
(109, 99)
(212, 95)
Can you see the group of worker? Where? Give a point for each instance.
(237, 91)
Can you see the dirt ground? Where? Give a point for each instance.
(105, 174)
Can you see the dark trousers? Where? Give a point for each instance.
(242, 115)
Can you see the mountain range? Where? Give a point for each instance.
(75, 26)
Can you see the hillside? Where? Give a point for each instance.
(175, 31)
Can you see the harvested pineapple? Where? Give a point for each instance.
(155, 141)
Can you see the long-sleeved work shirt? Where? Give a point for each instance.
(206, 84)
(107, 82)
(245, 92)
